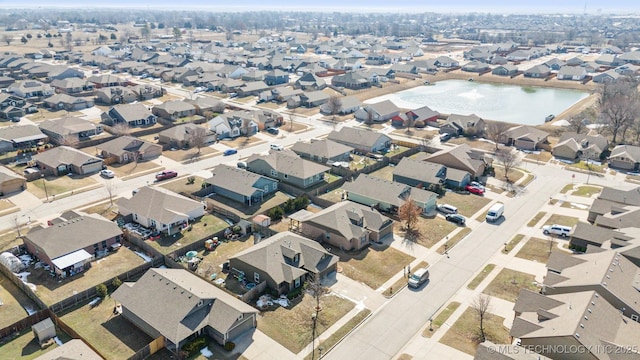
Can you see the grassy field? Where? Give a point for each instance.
(514, 174)
(6, 204)
(536, 249)
(385, 173)
(536, 219)
(508, 283)
(52, 290)
(587, 191)
(372, 266)
(10, 239)
(464, 335)
(543, 156)
(467, 204)
(291, 327)
(599, 169)
(26, 347)
(14, 302)
(333, 339)
(567, 188)
(513, 242)
(453, 241)
(481, 276)
(182, 185)
(202, 227)
(441, 318)
(113, 336)
(561, 220)
(58, 185)
(427, 232)
(104, 209)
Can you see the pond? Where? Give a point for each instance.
(515, 104)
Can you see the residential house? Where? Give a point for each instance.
(446, 62)
(351, 80)
(252, 88)
(418, 173)
(580, 320)
(178, 305)
(538, 71)
(463, 124)
(107, 80)
(72, 241)
(423, 116)
(69, 130)
(20, 136)
(346, 225)
(10, 182)
(585, 234)
(115, 95)
(68, 102)
(361, 139)
(505, 70)
(31, 89)
(313, 98)
(12, 106)
(577, 73)
(207, 104)
(240, 185)
(476, 67)
(616, 208)
(378, 112)
(186, 136)
(72, 86)
(287, 167)
(146, 92)
(6, 81)
(131, 114)
(462, 157)
(234, 124)
(276, 77)
(322, 151)
(174, 110)
(524, 137)
(65, 160)
(606, 272)
(348, 105)
(309, 81)
(285, 261)
(607, 77)
(160, 210)
(577, 146)
(625, 157)
(387, 196)
(555, 64)
(125, 149)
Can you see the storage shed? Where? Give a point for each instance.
(44, 330)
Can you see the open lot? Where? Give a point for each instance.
(374, 265)
(14, 303)
(291, 327)
(536, 249)
(467, 204)
(60, 185)
(464, 335)
(26, 347)
(427, 231)
(508, 283)
(113, 336)
(201, 228)
(52, 290)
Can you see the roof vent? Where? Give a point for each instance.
(578, 335)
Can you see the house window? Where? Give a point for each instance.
(297, 283)
(275, 186)
(135, 216)
(256, 277)
(266, 188)
(274, 173)
(152, 223)
(286, 176)
(104, 244)
(95, 248)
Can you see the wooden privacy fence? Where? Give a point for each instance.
(151, 348)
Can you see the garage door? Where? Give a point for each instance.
(385, 232)
(91, 168)
(242, 327)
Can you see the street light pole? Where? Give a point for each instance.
(44, 184)
(314, 318)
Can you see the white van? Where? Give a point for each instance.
(447, 209)
(418, 278)
(277, 147)
(495, 212)
(555, 229)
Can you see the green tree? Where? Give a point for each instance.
(102, 290)
(177, 34)
(276, 213)
(116, 282)
(24, 40)
(160, 25)
(113, 37)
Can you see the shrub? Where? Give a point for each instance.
(229, 346)
(301, 203)
(276, 213)
(116, 282)
(295, 292)
(195, 345)
(102, 291)
(191, 180)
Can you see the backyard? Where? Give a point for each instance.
(245, 211)
(52, 290)
(291, 327)
(385, 173)
(16, 305)
(26, 347)
(212, 260)
(427, 231)
(464, 335)
(508, 283)
(372, 266)
(113, 336)
(204, 226)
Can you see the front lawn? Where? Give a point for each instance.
(372, 266)
(536, 249)
(241, 142)
(464, 335)
(183, 185)
(508, 283)
(562, 220)
(481, 276)
(442, 317)
(60, 185)
(204, 226)
(134, 169)
(587, 191)
(427, 232)
(192, 154)
(291, 327)
(514, 174)
(467, 204)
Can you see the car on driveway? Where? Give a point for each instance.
(477, 184)
(447, 209)
(555, 229)
(230, 152)
(167, 174)
(456, 218)
(273, 131)
(107, 173)
(474, 190)
(444, 137)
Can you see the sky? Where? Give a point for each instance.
(493, 6)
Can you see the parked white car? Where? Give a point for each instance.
(558, 230)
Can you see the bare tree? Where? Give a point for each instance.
(334, 103)
(245, 127)
(145, 31)
(496, 131)
(121, 129)
(619, 104)
(509, 159)
(480, 306)
(177, 33)
(315, 289)
(198, 138)
(578, 122)
(109, 188)
(409, 212)
(292, 116)
(7, 38)
(15, 220)
(369, 119)
(68, 41)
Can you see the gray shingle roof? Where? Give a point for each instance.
(339, 217)
(67, 125)
(322, 148)
(356, 136)
(419, 170)
(389, 192)
(234, 179)
(159, 204)
(64, 155)
(630, 151)
(288, 162)
(21, 133)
